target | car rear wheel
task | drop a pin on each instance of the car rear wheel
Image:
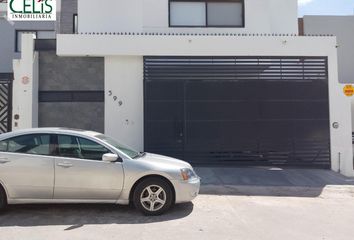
(3, 201)
(153, 196)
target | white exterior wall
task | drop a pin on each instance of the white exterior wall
(261, 16)
(124, 99)
(124, 74)
(25, 95)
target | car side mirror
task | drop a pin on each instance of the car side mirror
(110, 157)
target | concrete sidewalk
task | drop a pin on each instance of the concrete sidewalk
(270, 181)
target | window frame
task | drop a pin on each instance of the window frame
(206, 14)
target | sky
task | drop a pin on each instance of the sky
(326, 7)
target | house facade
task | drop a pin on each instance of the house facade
(212, 82)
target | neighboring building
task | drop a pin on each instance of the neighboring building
(10, 48)
(10, 37)
(181, 80)
(343, 28)
(58, 78)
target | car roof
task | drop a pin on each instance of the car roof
(57, 130)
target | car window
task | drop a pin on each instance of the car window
(68, 146)
(77, 147)
(127, 150)
(3, 146)
(91, 150)
(31, 144)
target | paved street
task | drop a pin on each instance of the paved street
(232, 205)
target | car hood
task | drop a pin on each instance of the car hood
(160, 160)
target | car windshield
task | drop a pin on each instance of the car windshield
(126, 150)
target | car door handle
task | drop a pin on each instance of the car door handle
(65, 165)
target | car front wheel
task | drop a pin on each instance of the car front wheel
(153, 196)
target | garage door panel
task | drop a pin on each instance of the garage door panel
(269, 145)
(312, 130)
(310, 152)
(221, 111)
(276, 110)
(164, 110)
(311, 110)
(221, 90)
(238, 110)
(164, 90)
(164, 137)
(275, 131)
(221, 135)
(211, 146)
(275, 90)
(310, 90)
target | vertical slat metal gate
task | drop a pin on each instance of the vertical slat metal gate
(238, 110)
(5, 102)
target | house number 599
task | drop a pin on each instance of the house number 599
(115, 98)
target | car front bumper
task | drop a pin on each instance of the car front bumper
(186, 191)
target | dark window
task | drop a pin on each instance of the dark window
(75, 23)
(76, 147)
(3, 146)
(46, 34)
(38, 144)
(68, 146)
(206, 13)
(91, 150)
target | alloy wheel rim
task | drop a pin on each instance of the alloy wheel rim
(153, 198)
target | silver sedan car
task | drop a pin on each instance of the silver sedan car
(58, 165)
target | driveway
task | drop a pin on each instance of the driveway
(235, 203)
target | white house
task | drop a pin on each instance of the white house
(217, 82)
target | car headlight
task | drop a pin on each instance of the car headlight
(188, 174)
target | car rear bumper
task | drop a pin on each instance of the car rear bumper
(186, 191)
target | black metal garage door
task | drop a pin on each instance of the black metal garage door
(238, 110)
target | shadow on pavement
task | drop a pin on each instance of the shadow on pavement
(271, 181)
(78, 215)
